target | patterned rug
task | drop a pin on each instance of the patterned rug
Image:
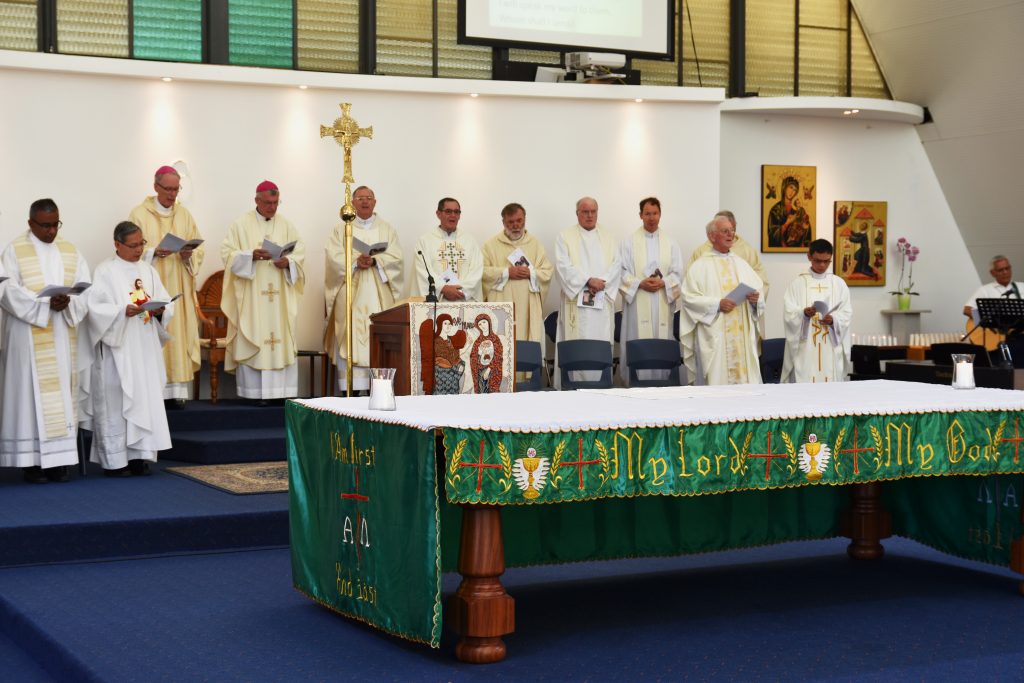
(239, 478)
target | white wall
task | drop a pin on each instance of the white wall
(89, 133)
(857, 160)
(93, 141)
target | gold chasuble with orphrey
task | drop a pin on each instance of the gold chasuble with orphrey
(54, 419)
(262, 311)
(181, 354)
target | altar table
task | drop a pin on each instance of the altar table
(566, 476)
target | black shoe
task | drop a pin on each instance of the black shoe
(138, 468)
(120, 472)
(34, 475)
(174, 403)
(57, 474)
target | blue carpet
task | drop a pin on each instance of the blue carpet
(96, 517)
(231, 431)
(17, 665)
(799, 611)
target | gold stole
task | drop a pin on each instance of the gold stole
(574, 245)
(736, 325)
(645, 328)
(47, 371)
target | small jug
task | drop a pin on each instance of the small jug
(963, 370)
(382, 388)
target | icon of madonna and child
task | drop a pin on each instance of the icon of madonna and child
(445, 339)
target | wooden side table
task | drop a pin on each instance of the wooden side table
(325, 365)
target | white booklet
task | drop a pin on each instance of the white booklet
(174, 244)
(518, 258)
(449, 277)
(155, 305)
(276, 250)
(590, 299)
(738, 295)
(368, 249)
(56, 290)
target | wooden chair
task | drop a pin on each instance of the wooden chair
(213, 329)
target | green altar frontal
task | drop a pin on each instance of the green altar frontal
(371, 531)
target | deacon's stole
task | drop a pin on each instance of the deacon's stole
(55, 421)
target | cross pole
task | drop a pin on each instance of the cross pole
(347, 133)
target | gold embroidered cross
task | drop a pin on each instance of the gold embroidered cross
(270, 292)
(820, 287)
(272, 341)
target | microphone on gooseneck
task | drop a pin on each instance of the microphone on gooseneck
(431, 290)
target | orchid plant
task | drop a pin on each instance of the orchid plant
(908, 254)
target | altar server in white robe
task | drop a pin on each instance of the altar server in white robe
(38, 362)
(652, 276)
(376, 285)
(453, 257)
(719, 336)
(817, 341)
(590, 270)
(261, 300)
(123, 382)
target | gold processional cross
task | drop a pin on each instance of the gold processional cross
(347, 133)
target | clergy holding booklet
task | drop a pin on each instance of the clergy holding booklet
(261, 299)
(817, 315)
(173, 246)
(38, 369)
(718, 335)
(448, 251)
(516, 269)
(376, 273)
(122, 366)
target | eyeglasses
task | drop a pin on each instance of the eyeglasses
(137, 245)
(172, 190)
(451, 212)
(48, 226)
(363, 199)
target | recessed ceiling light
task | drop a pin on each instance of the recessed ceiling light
(639, 99)
(166, 79)
(474, 94)
(855, 111)
(303, 87)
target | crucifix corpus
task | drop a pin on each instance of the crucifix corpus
(347, 133)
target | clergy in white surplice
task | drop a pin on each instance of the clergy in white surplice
(376, 284)
(817, 315)
(263, 281)
(38, 369)
(159, 216)
(453, 258)
(588, 265)
(122, 374)
(745, 250)
(652, 275)
(722, 313)
(516, 269)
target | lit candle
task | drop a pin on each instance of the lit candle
(963, 375)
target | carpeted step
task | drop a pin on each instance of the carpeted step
(219, 446)
(226, 414)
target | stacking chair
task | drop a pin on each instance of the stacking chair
(653, 354)
(585, 354)
(529, 359)
(772, 351)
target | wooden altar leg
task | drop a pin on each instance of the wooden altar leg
(866, 522)
(481, 611)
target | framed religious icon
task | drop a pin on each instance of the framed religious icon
(860, 231)
(788, 208)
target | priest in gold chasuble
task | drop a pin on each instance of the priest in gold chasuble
(817, 315)
(523, 280)
(261, 299)
(376, 285)
(38, 364)
(719, 335)
(157, 216)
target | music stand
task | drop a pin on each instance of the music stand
(1004, 315)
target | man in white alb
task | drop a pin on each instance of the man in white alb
(817, 316)
(453, 257)
(38, 369)
(262, 287)
(652, 274)
(589, 268)
(719, 334)
(376, 285)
